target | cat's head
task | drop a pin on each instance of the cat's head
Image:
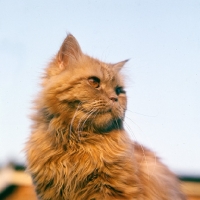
(84, 92)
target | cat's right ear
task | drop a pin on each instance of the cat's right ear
(117, 67)
(69, 51)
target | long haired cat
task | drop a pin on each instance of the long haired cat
(78, 149)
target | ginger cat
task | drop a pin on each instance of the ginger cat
(78, 148)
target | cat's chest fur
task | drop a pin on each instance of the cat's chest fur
(85, 167)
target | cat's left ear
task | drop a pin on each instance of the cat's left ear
(118, 66)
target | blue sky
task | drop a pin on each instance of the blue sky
(162, 40)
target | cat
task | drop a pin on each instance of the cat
(78, 148)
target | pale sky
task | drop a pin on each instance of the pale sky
(162, 41)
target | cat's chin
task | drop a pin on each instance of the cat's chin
(106, 123)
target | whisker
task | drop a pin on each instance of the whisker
(70, 128)
(133, 123)
(95, 116)
(79, 122)
(117, 126)
(131, 131)
(89, 114)
(142, 148)
(141, 114)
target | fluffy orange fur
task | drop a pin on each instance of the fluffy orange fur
(78, 148)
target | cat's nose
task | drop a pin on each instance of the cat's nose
(114, 99)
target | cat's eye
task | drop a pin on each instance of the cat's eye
(119, 90)
(94, 81)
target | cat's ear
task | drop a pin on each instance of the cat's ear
(117, 67)
(70, 50)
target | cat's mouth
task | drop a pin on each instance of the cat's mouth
(103, 117)
(99, 110)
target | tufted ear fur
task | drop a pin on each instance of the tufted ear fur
(69, 51)
(118, 66)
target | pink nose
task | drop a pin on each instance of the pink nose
(114, 99)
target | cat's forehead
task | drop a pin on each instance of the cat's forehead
(104, 71)
(107, 71)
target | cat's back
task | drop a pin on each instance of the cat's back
(157, 181)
